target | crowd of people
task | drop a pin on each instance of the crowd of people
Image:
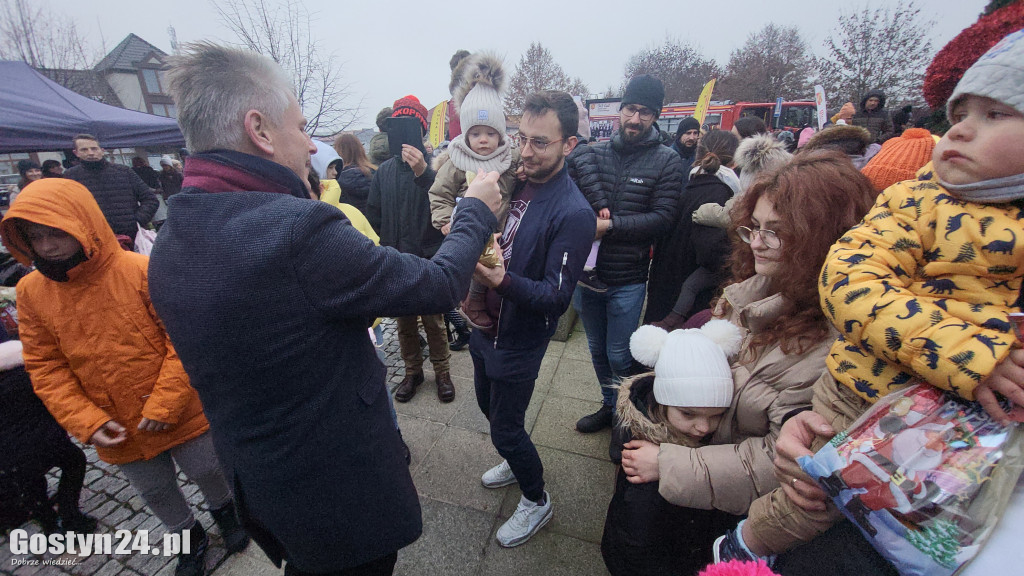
(745, 298)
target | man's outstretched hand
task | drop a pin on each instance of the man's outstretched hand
(485, 187)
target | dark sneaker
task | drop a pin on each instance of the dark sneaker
(460, 341)
(193, 563)
(406, 453)
(78, 522)
(728, 547)
(235, 537)
(597, 421)
(590, 281)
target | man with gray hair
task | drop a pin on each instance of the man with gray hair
(255, 281)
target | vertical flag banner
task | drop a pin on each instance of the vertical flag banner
(819, 99)
(704, 101)
(437, 123)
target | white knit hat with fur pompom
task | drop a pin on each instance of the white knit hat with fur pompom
(691, 367)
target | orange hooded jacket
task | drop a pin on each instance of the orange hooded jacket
(93, 345)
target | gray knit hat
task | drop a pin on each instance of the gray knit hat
(998, 74)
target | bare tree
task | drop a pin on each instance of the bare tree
(681, 68)
(772, 63)
(44, 39)
(282, 32)
(537, 70)
(885, 48)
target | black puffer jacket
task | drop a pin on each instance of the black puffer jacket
(398, 208)
(643, 183)
(355, 187)
(877, 121)
(123, 197)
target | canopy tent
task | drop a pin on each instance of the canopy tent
(38, 114)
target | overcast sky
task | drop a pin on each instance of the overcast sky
(390, 49)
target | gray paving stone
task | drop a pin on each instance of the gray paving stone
(576, 347)
(249, 562)
(420, 435)
(547, 368)
(426, 405)
(556, 427)
(576, 379)
(470, 417)
(452, 544)
(548, 553)
(581, 488)
(117, 516)
(451, 472)
(451, 449)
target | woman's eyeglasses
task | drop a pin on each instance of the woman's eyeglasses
(768, 237)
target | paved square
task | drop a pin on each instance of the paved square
(451, 448)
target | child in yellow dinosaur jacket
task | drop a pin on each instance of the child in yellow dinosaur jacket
(921, 289)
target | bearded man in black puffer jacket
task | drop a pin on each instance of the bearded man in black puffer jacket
(640, 181)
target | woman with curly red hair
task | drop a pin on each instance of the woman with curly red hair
(784, 226)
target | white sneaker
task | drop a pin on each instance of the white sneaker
(500, 475)
(528, 518)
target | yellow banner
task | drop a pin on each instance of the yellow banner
(438, 124)
(704, 101)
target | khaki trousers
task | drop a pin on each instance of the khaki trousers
(409, 343)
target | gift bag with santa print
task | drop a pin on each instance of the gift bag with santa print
(924, 475)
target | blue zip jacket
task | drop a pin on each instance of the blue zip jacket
(548, 254)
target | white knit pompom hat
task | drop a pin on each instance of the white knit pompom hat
(691, 367)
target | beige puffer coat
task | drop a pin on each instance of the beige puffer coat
(737, 468)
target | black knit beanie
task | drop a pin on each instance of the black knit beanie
(688, 123)
(645, 90)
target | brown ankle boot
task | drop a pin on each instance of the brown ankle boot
(407, 387)
(474, 309)
(445, 387)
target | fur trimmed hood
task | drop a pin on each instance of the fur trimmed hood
(634, 406)
(759, 154)
(851, 140)
(873, 94)
(439, 160)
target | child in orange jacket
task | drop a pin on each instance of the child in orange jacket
(103, 365)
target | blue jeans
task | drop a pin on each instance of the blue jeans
(378, 334)
(610, 318)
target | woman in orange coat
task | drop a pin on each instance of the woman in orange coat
(100, 360)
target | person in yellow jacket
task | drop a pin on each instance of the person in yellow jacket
(921, 290)
(103, 365)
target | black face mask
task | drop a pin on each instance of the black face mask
(57, 270)
(94, 164)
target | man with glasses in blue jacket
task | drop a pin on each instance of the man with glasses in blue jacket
(544, 245)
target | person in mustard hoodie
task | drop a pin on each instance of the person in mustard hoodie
(102, 363)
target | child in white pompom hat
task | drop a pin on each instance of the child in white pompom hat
(680, 402)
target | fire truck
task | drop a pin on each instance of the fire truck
(604, 115)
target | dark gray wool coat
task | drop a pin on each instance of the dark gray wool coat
(267, 297)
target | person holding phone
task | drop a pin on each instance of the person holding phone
(398, 208)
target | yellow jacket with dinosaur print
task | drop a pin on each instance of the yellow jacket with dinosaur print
(922, 287)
